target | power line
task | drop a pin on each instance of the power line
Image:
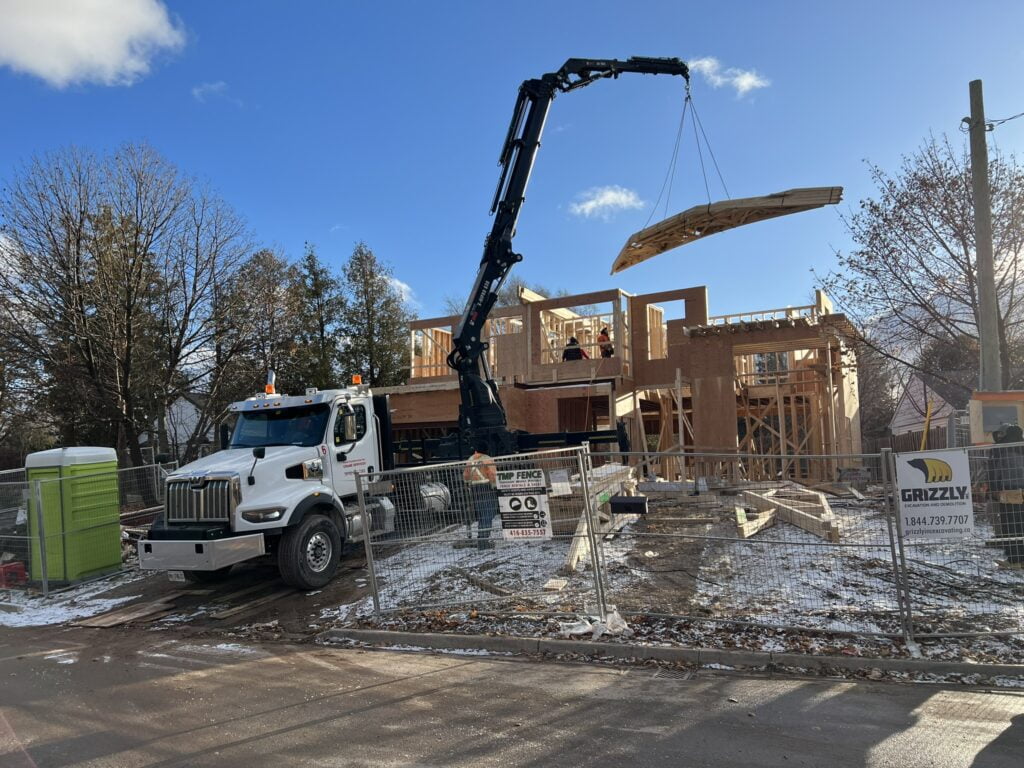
(966, 124)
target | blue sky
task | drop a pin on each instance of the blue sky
(333, 122)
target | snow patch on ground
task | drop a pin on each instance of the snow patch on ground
(804, 581)
(31, 610)
(449, 651)
(63, 657)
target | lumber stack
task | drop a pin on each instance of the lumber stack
(603, 483)
(747, 523)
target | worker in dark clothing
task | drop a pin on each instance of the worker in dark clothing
(1006, 480)
(605, 343)
(573, 351)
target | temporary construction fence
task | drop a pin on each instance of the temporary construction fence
(807, 542)
(448, 547)
(61, 531)
(972, 583)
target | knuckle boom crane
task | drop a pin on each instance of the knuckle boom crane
(481, 413)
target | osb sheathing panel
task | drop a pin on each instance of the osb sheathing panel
(440, 406)
(714, 413)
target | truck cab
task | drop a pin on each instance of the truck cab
(284, 485)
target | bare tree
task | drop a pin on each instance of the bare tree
(197, 272)
(911, 281)
(115, 264)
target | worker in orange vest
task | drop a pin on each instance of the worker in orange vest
(481, 476)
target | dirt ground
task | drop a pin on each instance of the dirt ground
(260, 605)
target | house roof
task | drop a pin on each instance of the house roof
(198, 399)
(913, 403)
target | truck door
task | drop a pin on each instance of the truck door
(349, 456)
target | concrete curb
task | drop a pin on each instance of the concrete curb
(697, 656)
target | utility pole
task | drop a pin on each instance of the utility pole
(991, 376)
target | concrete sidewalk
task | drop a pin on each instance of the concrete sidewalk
(94, 698)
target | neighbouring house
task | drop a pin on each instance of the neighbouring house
(912, 407)
(183, 416)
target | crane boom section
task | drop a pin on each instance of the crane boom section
(481, 414)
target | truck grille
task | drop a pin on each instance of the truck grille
(202, 499)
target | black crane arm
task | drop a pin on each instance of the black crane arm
(481, 414)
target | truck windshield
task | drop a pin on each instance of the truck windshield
(281, 426)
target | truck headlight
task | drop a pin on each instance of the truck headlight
(313, 469)
(263, 515)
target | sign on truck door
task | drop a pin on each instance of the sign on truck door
(359, 456)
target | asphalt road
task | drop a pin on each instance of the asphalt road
(130, 698)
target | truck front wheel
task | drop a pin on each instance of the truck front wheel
(309, 552)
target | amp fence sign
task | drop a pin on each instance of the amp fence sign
(520, 479)
(523, 503)
(934, 492)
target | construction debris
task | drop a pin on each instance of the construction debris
(801, 507)
(481, 583)
(138, 612)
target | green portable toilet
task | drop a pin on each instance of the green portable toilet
(81, 513)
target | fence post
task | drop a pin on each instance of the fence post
(364, 516)
(899, 556)
(41, 530)
(595, 557)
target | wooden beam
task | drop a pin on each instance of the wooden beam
(822, 524)
(703, 220)
(745, 527)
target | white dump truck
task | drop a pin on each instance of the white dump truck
(284, 486)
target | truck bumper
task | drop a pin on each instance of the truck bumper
(161, 555)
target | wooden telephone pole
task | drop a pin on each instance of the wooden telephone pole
(991, 376)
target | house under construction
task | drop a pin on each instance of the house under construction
(778, 382)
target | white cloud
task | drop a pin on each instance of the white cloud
(110, 42)
(604, 201)
(205, 92)
(742, 80)
(406, 292)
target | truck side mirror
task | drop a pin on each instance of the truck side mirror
(348, 425)
(259, 452)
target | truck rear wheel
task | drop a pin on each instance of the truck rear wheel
(308, 555)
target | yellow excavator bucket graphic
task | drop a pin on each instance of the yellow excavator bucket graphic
(934, 470)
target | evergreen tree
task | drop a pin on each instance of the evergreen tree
(374, 324)
(319, 309)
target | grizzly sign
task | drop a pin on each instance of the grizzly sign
(935, 494)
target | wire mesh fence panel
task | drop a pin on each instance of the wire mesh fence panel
(17, 475)
(965, 578)
(509, 533)
(783, 541)
(15, 543)
(142, 492)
